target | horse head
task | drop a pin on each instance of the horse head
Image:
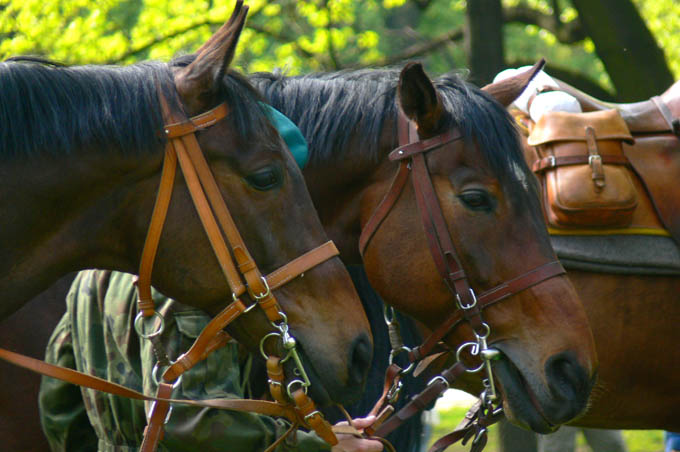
(477, 233)
(96, 201)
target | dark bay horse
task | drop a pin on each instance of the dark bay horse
(488, 197)
(82, 150)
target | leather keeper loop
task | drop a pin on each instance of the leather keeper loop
(271, 308)
(146, 307)
(311, 416)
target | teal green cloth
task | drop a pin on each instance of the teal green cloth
(291, 135)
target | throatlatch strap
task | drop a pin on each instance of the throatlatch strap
(145, 304)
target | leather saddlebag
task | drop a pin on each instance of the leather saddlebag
(584, 173)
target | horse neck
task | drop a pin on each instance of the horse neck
(71, 212)
(337, 188)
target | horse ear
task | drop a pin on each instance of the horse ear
(419, 99)
(509, 89)
(200, 80)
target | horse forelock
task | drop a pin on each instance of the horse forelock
(47, 108)
(334, 110)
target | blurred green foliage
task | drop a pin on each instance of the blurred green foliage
(636, 440)
(300, 36)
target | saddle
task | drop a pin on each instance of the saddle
(612, 169)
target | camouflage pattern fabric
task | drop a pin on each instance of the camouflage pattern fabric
(97, 336)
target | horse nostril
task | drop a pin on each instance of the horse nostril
(569, 384)
(360, 360)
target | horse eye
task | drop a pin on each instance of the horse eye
(265, 178)
(477, 200)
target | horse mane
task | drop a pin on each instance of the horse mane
(46, 107)
(329, 108)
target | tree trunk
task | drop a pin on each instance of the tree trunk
(627, 48)
(484, 40)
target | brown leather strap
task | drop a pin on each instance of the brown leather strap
(208, 220)
(196, 123)
(200, 348)
(488, 298)
(385, 206)
(99, 384)
(441, 246)
(245, 262)
(313, 417)
(153, 432)
(422, 400)
(197, 352)
(392, 377)
(145, 304)
(301, 264)
(276, 379)
(549, 162)
(418, 147)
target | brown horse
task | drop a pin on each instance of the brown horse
(634, 315)
(82, 150)
(350, 121)
(488, 199)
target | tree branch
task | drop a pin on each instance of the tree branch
(416, 49)
(280, 37)
(158, 39)
(565, 32)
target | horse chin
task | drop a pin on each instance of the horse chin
(324, 393)
(520, 403)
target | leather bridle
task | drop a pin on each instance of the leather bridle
(411, 157)
(239, 268)
(243, 278)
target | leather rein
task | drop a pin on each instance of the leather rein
(243, 278)
(411, 157)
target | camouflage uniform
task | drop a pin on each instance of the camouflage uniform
(97, 336)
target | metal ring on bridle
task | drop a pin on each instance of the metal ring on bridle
(263, 340)
(395, 352)
(459, 351)
(439, 378)
(157, 380)
(486, 334)
(139, 325)
(282, 324)
(262, 295)
(467, 306)
(300, 382)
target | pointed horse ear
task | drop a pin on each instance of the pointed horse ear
(418, 98)
(509, 89)
(199, 82)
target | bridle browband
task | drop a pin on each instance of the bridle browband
(411, 157)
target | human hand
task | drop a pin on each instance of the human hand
(350, 443)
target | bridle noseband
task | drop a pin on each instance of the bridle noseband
(411, 157)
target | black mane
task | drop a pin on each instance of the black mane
(330, 107)
(46, 107)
